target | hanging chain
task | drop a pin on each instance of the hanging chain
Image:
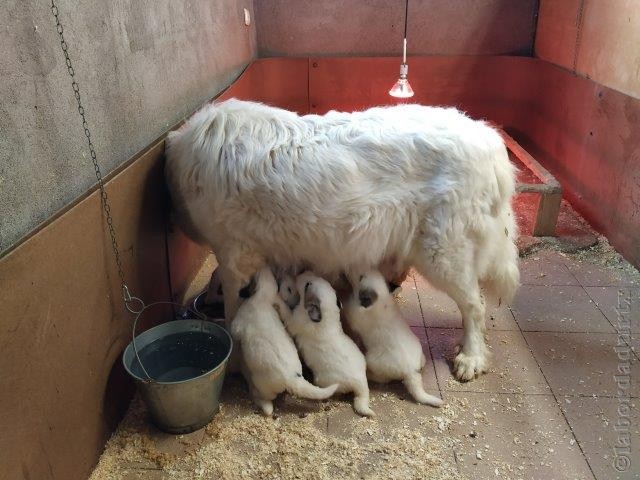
(579, 21)
(130, 301)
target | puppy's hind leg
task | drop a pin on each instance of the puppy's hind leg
(264, 404)
(361, 402)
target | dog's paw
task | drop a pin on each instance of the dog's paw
(467, 367)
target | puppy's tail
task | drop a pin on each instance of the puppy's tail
(301, 388)
(413, 382)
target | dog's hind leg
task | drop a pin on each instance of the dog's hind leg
(451, 270)
(237, 267)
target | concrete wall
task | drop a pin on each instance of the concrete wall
(375, 27)
(142, 66)
(598, 39)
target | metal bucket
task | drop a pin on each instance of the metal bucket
(214, 312)
(182, 371)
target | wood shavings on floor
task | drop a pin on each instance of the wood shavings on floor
(602, 254)
(400, 443)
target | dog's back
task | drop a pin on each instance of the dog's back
(317, 189)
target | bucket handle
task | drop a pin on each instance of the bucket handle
(139, 312)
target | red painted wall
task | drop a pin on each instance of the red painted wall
(596, 39)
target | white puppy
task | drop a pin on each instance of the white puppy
(393, 351)
(329, 353)
(270, 362)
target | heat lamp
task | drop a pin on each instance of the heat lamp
(402, 88)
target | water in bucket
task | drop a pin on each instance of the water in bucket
(180, 356)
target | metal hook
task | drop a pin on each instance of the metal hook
(131, 302)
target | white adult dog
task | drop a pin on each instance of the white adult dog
(270, 361)
(330, 354)
(393, 352)
(408, 185)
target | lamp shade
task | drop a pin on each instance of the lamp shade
(401, 89)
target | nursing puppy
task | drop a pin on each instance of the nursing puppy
(328, 352)
(393, 351)
(269, 360)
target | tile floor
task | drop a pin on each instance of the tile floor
(553, 372)
(549, 408)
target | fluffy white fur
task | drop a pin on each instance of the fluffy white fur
(330, 354)
(404, 185)
(393, 351)
(270, 361)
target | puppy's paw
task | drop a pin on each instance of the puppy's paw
(266, 406)
(361, 406)
(467, 367)
(365, 412)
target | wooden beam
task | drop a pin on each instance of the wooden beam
(540, 188)
(547, 216)
(530, 162)
(549, 190)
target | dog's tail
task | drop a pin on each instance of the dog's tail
(502, 277)
(413, 382)
(301, 388)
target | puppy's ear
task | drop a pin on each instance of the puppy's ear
(367, 297)
(312, 304)
(248, 290)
